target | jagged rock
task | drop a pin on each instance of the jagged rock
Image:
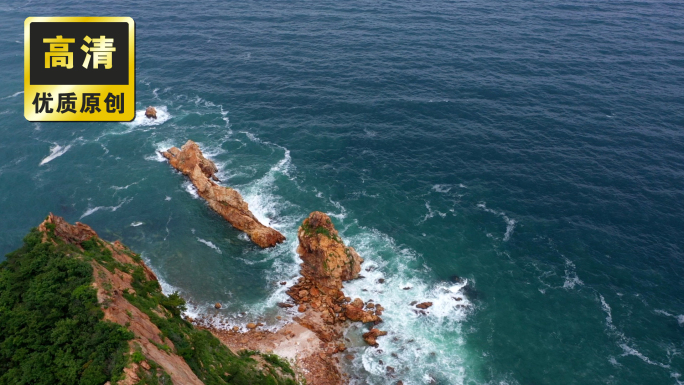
(301, 308)
(284, 305)
(151, 112)
(372, 335)
(355, 313)
(327, 261)
(424, 305)
(74, 234)
(118, 309)
(224, 200)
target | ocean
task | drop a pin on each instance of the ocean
(526, 157)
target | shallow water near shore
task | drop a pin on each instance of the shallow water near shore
(533, 150)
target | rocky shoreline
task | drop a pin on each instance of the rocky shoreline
(161, 346)
(315, 336)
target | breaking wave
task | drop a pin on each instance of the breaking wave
(93, 210)
(55, 152)
(210, 244)
(510, 223)
(141, 120)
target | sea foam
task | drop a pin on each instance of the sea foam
(55, 152)
(141, 120)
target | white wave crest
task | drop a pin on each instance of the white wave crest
(396, 282)
(118, 188)
(160, 147)
(210, 244)
(622, 340)
(142, 121)
(14, 95)
(191, 189)
(571, 278)
(510, 223)
(679, 318)
(55, 152)
(263, 204)
(93, 210)
(441, 188)
(431, 213)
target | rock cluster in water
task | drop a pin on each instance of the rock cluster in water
(327, 263)
(224, 200)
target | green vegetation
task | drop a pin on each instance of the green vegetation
(211, 361)
(51, 328)
(310, 230)
(154, 376)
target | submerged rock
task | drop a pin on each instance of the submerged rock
(224, 200)
(372, 335)
(424, 305)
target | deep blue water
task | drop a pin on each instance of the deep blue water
(535, 149)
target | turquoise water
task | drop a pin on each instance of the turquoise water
(534, 149)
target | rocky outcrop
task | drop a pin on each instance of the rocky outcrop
(372, 335)
(72, 234)
(129, 295)
(151, 112)
(424, 305)
(224, 200)
(110, 286)
(327, 263)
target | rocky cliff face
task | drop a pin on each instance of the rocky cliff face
(164, 346)
(110, 286)
(224, 200)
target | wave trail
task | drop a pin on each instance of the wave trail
(55, 152)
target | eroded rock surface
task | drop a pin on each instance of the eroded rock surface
(224, 200)
(327, 263)
(111, 286)
(372, 335)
